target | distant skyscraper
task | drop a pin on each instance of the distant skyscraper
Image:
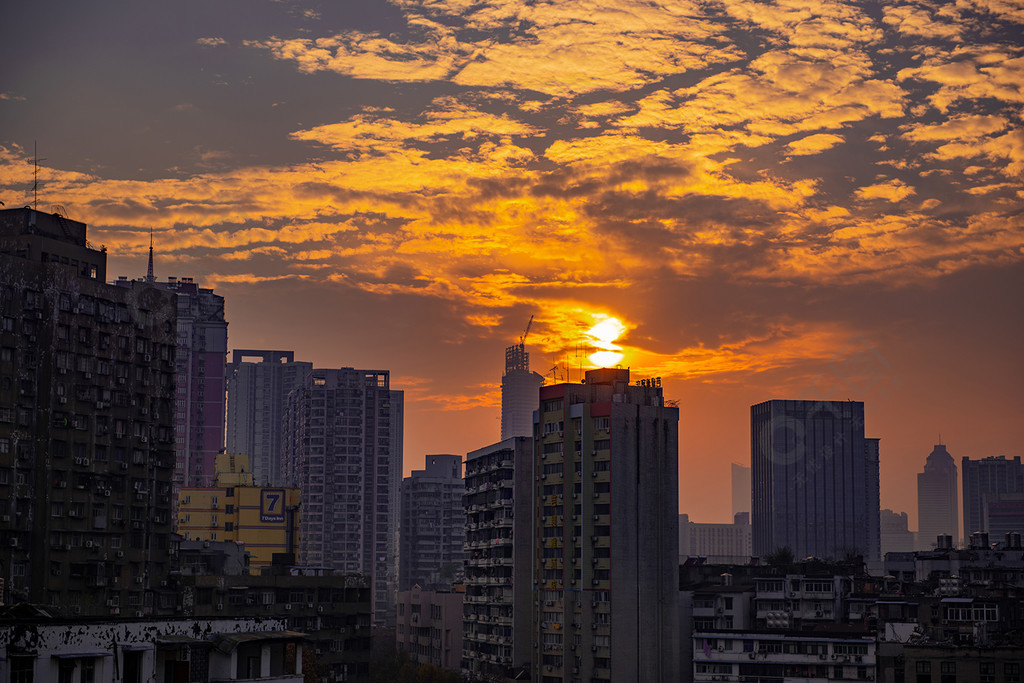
(985, 481)
(937, 499)
(740, 489)
(199, 379)
(86, 426)
(343, 450)
(896, 534)
(606, 520)
(499, 559)
(432, 531)
(257, 395)
(518, 393)
(719, 543)
(814, 480)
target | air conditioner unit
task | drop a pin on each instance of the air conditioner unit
(594, 473)
(593, 648)
(14, 543)
(76, 609)
(288, 606)
(110, 603)
(62, 400)
(116, 611)
(106, 493)
(88, 544)
(320, 609)
(120, 553)
(220, 605)
(138, 580)
(721, 648)
(138, 613)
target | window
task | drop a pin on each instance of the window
(21, 669)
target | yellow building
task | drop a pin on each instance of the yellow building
(265, 519)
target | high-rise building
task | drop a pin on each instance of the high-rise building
(518, 393)
(986, 481)
(200, 363)
(86, 425)
(605, 525)
(264, 519)
(814, 480)
(740, 489)
(343, 450)
(937, 504)
(257, 394)
(499, 590)
(432, 531)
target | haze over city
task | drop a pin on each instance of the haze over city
(773, 200)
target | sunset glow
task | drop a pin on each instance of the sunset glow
(750, 200)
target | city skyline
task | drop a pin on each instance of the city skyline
(777, 203)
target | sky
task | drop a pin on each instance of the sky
(775, 199)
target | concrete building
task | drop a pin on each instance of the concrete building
(36, 647)
(499, 594)
(333, 611)
(257, 396)
(740, 489)
(265, 519)
(896, 536)
(937, 499)
(200, 360)
(718, 543)
(518, 393)
(86, 424)
(605, 532)
(814, 480)
(432, 531)
(985, 481)
(343, 450)
(429, 627)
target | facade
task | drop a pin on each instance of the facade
(265, 519)
(257, 395)
(896, 536)
(332, 610)
(429, 627)
(433, 525)
(937, 499)
(343, 450)
(986, 481)
(605, 511)
(86, 425)
(518, 393)
(740, 489)
(34, 647)
(719, 543)
(200, 360)
(499, 596)
(814, 480)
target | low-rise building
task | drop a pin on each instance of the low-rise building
(265, 519)
(37, 647)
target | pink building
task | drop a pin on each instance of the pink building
(430, 627)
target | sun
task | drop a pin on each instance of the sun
(603, 335)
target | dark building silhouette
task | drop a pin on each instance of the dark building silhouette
(814, 480)
(937, 500)
(86, 425)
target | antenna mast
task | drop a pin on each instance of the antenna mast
(35, 175)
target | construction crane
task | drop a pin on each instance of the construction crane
(522, 338)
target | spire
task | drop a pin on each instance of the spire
(149, 273)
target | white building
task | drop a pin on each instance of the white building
(257, 396)
(166, 651)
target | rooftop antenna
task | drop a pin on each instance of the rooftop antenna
(35, 175)
(149, 272)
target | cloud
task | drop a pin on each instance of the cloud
(812, 144)
(211, 42)
(890, 191)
